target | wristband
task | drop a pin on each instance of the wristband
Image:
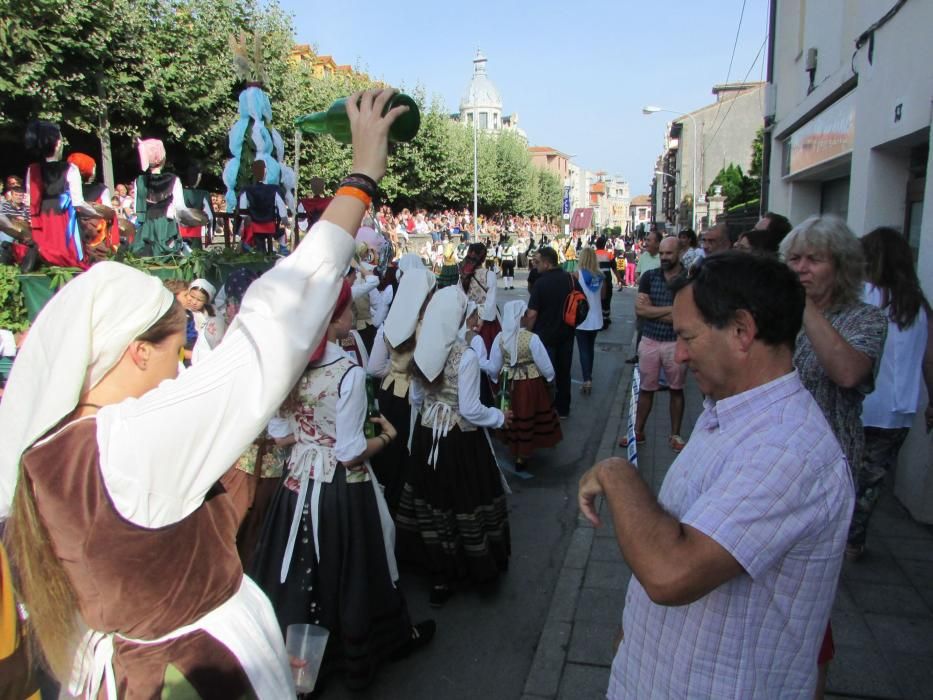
(366, 178)
(356, 193)
(387, 438)
(361, 182)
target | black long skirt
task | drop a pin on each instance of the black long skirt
(350, 591)
(390, 465)
(453, 519)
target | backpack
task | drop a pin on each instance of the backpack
(576, 307)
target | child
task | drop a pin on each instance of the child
(205, 329)
(452, 517)
(339, 571)
(534, 422)
(389, 362)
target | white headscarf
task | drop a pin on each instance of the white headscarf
(511, 327)
(409, 262)
(204, 286)
(79, 336)
(439, 329)
(402, 318)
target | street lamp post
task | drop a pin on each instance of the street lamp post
(651, 109)
(475, 175)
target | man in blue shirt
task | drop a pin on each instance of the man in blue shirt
(654, 305)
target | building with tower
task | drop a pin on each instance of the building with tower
(483, 102)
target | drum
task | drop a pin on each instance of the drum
(16, 227)
(101, 211)
(191, 217)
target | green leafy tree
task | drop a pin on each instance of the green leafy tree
(551, 194)
(736, 186)
(754, 170)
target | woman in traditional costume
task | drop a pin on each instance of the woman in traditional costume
(106, 230)
(535, 424)
(159, 195)
(196, 200)
(480, 286)
(452, 517)
(390, 362)
(55, 197)
(114, 465)
(326, 553)
(450, 272)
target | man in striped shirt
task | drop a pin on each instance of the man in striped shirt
(736, 562)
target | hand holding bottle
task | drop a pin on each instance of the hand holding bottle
(371, 130)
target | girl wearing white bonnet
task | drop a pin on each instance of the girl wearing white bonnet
(389, 362)
(109, 465)
(452, 517)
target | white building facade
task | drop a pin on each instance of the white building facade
(483, 100)
(719, 134)
(849, 114)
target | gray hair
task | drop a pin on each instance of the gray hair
(830, 234)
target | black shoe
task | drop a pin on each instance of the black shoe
(633, 360)
(439, 596)
(421, 635)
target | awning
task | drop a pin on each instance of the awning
(581, 219)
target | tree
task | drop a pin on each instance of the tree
(754, 170)
(736, 186)
(157, 68)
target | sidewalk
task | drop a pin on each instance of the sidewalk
(882, 618)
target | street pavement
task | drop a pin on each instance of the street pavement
(547, 629)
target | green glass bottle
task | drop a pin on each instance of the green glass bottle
(334, 120)
(370, 429)
(505, 401)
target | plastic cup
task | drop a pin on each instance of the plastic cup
(305, 646)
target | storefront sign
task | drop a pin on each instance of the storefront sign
(830, 134)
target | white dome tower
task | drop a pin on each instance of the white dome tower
(481, 98)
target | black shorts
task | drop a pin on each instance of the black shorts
(508, 268)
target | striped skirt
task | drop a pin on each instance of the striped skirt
(453, 519)
(535, 424)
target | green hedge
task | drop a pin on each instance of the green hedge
(23, 296)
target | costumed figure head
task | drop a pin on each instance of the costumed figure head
(110, 334)
(85, 165)
(192, 176)
(151, 154)
(259, 170)
(43, 140)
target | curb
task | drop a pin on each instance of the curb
(547, 666)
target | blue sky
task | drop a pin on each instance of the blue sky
(577, 73)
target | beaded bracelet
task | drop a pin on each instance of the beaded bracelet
(366, 178)
(362, 182)
(356, 193)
